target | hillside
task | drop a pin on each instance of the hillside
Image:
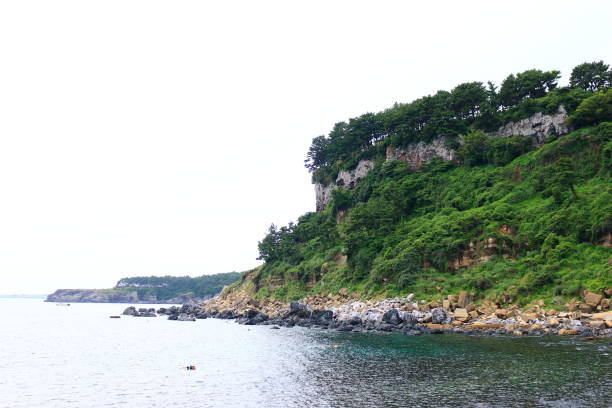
(151, 289)
(503, 193)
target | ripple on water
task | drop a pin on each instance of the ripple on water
(82, 358)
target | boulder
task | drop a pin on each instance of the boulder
(409, 319)
(184, 317)
(461, 313)
(322, 317)
(130, 311)
(392, 317)
(257, 319)
(592, 299)
(553, 322)
(440, 316)
(464, 299)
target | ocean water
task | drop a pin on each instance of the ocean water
(52, 356)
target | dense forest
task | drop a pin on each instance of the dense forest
(168, 287)
(505, 220)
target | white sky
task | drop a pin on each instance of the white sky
(163, 137)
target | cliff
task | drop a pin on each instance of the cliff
(538, 126)
(111, 296)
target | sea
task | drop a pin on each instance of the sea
(76, 356)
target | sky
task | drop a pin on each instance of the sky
(164, 137)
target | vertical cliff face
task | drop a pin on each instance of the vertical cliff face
(417, 154)
(538, 126)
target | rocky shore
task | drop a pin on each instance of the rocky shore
(455, 314)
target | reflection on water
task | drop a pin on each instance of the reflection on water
(77, 356)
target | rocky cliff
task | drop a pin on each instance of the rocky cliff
(538, 126)
(110, 296)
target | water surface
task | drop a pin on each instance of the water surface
(76, 356)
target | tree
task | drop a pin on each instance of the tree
(467, 98)
(473, 150)
(594, 109)
(532, 83)
(565, 174)
(591, 76)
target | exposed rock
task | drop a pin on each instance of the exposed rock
(592, 299)
(323, 195)
(130, 311)
(464, 299)
(440, 316)
(350, 178)
(322, 317)
(392, 317)
(184, 317)
(417, 154)
(539, 126)
(461, 313)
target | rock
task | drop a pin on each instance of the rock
(257, 319)
(603, 315)
(598, 324)
(553, 322)
(592, 299)
(392, 317)
(483, 325)
(608, 323)
(184, 317)
(517, 332)
(539, 126)
(464, 299)
(226, 314)
(527, 317)
(130, 311)
(446, 304)
(409, 319)
(440, 316)
(461, 313)
(567, 332)
(473, 314)
(322, 317)
(275, 327)
(585, 308)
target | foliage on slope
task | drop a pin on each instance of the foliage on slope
(505, 224)
(168, 287)
(450, 114)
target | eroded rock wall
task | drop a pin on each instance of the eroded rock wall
(538, 126)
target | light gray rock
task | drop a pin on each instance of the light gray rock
(441, 316)
(184, 317)
(539, 126)
(418, 154)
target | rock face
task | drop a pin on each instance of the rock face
(417, 154)
(112, 296)
(93, 296)
(346, 178)
(538, 126)
(323, 195)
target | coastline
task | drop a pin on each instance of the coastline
(399, 315)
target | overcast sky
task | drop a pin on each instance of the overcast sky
(163, 137)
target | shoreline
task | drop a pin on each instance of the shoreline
(457, 315)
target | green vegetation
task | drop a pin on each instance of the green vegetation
(505, 221)
(168, 287)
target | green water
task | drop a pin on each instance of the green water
(74, 357)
